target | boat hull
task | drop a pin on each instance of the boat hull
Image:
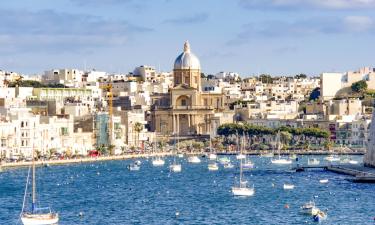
(176, 168)
(158, 163)
(281, 161)
(40, 219)
(242, 191)
(194, 159)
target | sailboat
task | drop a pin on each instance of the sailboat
(240, 155)
(212, 155)
(242, 189)
(36, 216)
(247, 165)
(279, 160)
(157, 161)
(175, 167)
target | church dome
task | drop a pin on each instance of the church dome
(187, 60)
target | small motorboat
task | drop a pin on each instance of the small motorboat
(158, 162)
(288, 186)
(240, 156)
(332, 158)
(313, 162)
(133, 167)
(224, 160)
(228, 166)
(213, 167)
(175, 168)
(323, 181)
(353, 162)
(293, 156)
(194, 159)
(180, 155)
(309, 208)
(281, 161)
(137, 162)
(319, 216)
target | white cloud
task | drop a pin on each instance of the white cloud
(359, 23)
(301, 4)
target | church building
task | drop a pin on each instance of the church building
(186, 109)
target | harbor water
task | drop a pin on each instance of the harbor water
(108, 193)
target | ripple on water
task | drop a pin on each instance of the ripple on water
(107, 193)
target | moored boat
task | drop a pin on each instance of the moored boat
(309, 208)
(313, 162)
(319, 216)
(133, 167)
(194, 159)
(175, 168)
(213, 167)
(288, 186)
(35, 215)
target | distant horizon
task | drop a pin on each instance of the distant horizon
(249, 37)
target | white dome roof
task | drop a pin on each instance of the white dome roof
(187, 60)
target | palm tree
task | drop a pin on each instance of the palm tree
(138, 127)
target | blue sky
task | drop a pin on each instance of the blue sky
(280, 37)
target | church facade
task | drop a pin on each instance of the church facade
(186, 109)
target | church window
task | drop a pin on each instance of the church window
(183, 102)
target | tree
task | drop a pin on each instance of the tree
(315, 94)
(265, 79)
(111, 149)
(359, 86)
(300, 76)
(138, 127)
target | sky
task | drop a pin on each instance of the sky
(278, 37)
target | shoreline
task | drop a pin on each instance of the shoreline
(147, 155)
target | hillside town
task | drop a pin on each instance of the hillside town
(73, 112)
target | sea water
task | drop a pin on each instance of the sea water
(107, 193)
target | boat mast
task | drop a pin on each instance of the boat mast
(34, 186)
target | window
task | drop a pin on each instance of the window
(183, 102)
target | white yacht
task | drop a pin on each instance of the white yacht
(175, 166)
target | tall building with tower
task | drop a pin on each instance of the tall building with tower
(186, 109)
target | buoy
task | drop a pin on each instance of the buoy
(177, 213)
(286, 206)
(273, 185)
(80, 214)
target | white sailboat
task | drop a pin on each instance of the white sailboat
(279, 160)
(242, 189)
(176, 167)
(212, 155)
(247, 165)
(157, 161)
(36, 216)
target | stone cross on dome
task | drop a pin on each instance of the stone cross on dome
(186, 46)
